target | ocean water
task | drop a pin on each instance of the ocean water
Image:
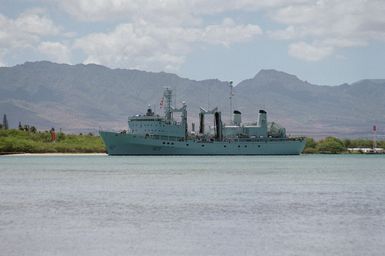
(217, 205)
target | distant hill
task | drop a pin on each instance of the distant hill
(89, 97)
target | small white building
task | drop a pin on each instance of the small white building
(367, 150)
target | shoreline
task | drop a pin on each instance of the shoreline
(54, 154)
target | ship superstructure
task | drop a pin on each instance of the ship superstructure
(151, 134)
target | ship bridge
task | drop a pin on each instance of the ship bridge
(151, 124)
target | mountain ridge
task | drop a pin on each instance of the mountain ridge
(89, 97)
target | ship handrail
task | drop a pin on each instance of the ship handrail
(164, 137)
(229, 140)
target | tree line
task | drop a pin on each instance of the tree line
(333, 145)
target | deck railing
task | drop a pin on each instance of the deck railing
(211, 140)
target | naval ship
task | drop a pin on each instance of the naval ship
(151, 134)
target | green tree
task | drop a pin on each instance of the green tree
(331, 145)
(361, 143)
(310, 143)
(61, 136)
(310, 146)
(33, 129)
(347, 143)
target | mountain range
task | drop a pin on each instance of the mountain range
(82, 98)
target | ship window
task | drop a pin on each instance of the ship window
(224, 146)
(187, 145)
(203, 145)
(164, 142)
(168, 143)
(259, 146)
(172, 143)
(245, 146)
(239, 146)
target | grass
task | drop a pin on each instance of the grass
(17, 141)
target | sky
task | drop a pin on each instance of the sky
(326, 42)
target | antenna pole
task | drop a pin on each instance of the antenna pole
(175, 97)
(208, 97)
(231, 99)
(374, 137)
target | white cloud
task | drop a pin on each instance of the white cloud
(141, 46)
(35, 22)
(228, 32)
(159, 34)
(309, 52)
(283, 34)
(55, 51)
(96, 10)
(2, 64)
(153, 35)
(24, 32)
(144, 45)
(209, 7)
(333, 24)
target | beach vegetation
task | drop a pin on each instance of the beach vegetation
(32, 141)
(333, 145)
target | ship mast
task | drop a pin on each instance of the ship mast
(231, 100)
(168, 110)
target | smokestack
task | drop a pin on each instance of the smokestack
(262, 118)
(237, 119)
(218, 125)
(201, 123)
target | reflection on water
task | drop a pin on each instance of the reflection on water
(238, 205)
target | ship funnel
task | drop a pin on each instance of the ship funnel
(262, 118)
(237, 119)
(218, 125)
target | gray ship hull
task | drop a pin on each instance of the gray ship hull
(130, 144)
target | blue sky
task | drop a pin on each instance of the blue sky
(322, 41)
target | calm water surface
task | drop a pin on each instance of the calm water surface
(232, 205)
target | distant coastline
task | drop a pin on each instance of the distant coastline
(53, 154)
(16, 142)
